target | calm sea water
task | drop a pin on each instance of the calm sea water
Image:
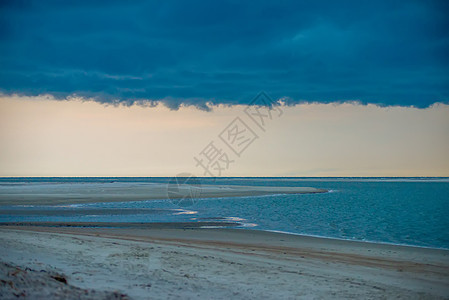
(411, 211)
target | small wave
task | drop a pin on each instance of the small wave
(185, 212)
(247, 225)
(352, 240)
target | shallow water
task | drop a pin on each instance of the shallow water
(411, 211)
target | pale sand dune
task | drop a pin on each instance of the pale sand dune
(223, 263)
(55, 194)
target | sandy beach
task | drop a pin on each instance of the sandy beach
(178, 261)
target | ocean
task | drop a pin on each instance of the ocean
(406, 211)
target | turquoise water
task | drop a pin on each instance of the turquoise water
(411, 211)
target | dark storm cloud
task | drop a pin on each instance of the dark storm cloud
(199, 52)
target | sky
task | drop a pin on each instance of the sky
(140, 88)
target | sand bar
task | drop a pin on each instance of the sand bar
(76, 193)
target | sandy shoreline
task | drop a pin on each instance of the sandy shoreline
(226, 263)
(59, 194)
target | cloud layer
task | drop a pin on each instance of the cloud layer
(224, 52)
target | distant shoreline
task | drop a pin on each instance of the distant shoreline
(128, 192)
